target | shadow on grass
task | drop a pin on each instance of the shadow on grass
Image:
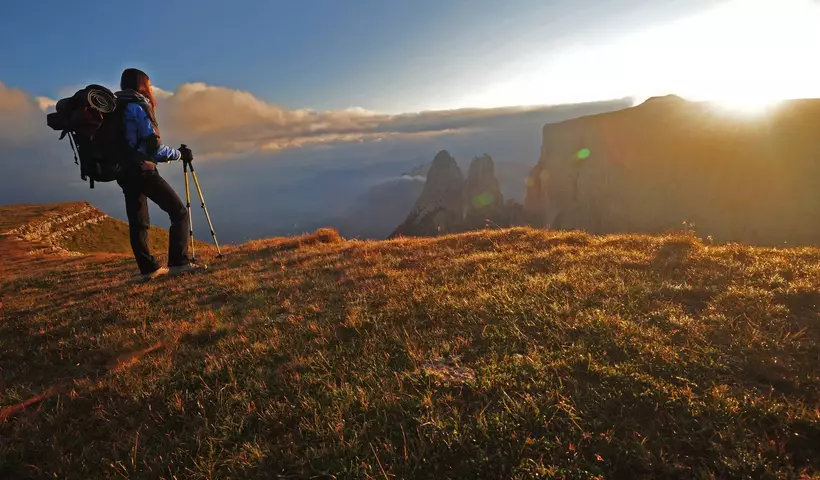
(111, 364)
(98, 365)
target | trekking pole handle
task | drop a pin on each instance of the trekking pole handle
(184, 147)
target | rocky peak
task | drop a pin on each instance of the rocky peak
(439, 209)
(483, 196)
(443, 171)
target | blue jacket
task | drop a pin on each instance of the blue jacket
(141, 131)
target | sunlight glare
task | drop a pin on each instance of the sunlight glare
(745, 55)
(747, 106)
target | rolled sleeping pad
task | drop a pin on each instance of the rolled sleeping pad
(70, 110)
(100, 98)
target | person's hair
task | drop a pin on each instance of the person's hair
(137, 80)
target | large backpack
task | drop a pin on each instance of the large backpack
(92, 119)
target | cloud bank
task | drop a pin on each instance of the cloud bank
(19, 115)
(223, 123)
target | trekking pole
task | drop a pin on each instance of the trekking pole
(188, 206)
(204, 208)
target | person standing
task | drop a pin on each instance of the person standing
(140, 180)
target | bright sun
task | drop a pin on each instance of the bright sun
(749, 55)
(747, 106)
(744, 55)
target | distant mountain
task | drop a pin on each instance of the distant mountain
(452, 202)
(376, 212)
(512, 176)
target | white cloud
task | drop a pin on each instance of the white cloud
(19, 115)
(223, 122)
(45, 103)
(160, 93)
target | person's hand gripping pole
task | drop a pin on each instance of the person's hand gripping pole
(187, 163)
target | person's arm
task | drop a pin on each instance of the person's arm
(154, 147)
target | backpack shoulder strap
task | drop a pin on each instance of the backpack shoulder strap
(142, 102)
(146, 107)
(123, 102)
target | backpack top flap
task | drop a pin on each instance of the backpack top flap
(82, 112)
(94, 124)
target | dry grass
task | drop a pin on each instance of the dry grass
(111, 236)
(497, 354)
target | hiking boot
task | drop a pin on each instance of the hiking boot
(188, 267)
(156, 273)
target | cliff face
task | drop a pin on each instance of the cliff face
(668, 161)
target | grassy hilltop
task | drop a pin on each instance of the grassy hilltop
(495, 354)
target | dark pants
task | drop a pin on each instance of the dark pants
(138, 187)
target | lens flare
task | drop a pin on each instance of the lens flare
(483, 200)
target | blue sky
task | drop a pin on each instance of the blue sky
(382, 55)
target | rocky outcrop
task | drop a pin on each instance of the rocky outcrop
(58, 224)
(45, 232)
(750, 179)
(483, 200)
(439, 209)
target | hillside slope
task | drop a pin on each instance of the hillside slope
(495, 354)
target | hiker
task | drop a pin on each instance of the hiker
(140, 179)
